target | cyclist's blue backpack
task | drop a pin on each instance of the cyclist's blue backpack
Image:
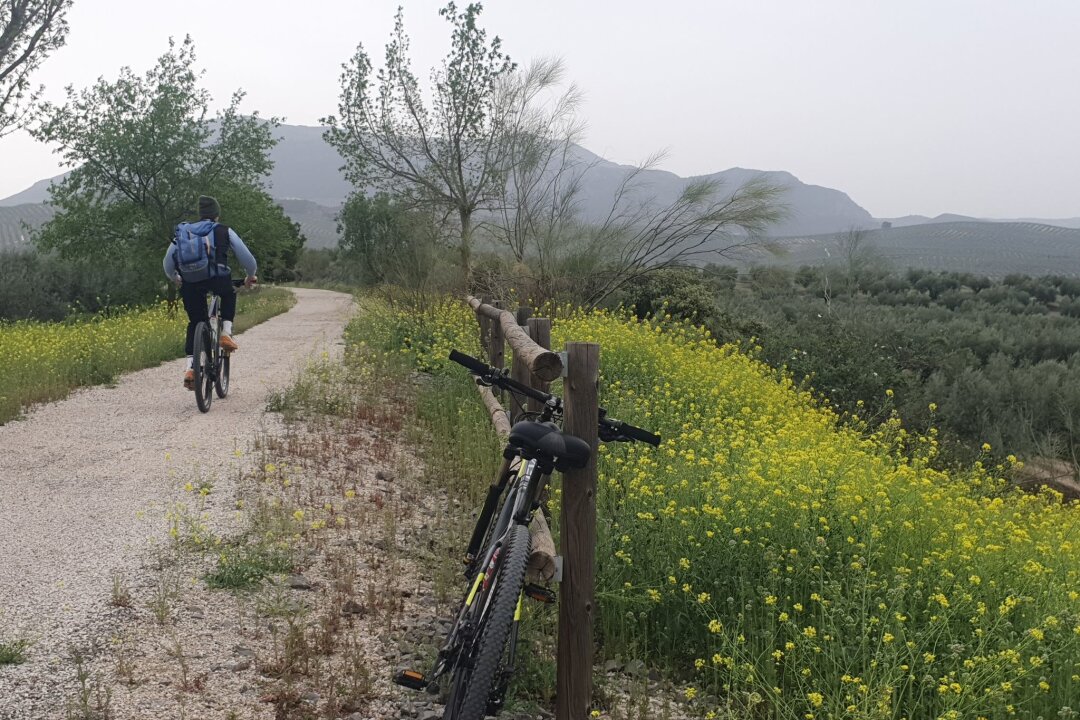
(194, 249)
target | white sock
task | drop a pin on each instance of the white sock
(190, 362)
(227, 327)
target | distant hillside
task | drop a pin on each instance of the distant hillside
(318, 222)
(811, 208)
(985, 248)
(13, 234)
(306, 168)
(307, 181)
(908, 220)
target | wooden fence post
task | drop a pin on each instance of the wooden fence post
(485, 327)
(578, 538)
(540, 332)
(497, 348)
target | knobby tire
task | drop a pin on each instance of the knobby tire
(203, 366)
(221, 383)
(471, 687)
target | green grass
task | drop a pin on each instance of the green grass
(241, 567)
(14, 652)
(42, 362)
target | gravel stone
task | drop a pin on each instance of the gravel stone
(85, 484)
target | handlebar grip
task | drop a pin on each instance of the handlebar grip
(475, 366)
(638, 434)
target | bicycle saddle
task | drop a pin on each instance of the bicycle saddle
(534, 438)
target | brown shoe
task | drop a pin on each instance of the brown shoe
(228, 344)
(189, 379)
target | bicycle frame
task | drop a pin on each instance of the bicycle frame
(523, 485)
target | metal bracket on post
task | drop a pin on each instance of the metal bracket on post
(558, 569)
(565, 363)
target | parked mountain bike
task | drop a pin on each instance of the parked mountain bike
(480, 649)
(211, 361)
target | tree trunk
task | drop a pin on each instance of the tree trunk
(466, 249)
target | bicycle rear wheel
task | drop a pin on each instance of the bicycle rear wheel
(221, 383)
(476, 672)
(204, 368)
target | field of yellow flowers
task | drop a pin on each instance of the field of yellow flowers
(44, 361)
(795, 566)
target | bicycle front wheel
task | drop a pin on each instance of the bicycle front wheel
(476, 672)
(204, 368)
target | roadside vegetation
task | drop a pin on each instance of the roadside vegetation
(984, 361)
(45, 361)
(784, 561)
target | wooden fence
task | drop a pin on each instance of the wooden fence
(534, 364)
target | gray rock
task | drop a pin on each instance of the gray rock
(299, 582)
(636, 668)
(351, 607)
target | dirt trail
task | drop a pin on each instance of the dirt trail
(84, 483)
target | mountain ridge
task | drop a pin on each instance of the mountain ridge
(307, 177)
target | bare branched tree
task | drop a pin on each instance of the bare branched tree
(29, 31)
(858, 256)
(704, 221)
(540, 219)
(542, 172)
(445, 151)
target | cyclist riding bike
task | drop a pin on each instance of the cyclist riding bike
(197, 279)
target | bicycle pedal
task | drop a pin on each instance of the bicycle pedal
(540, 594)
(411, 679)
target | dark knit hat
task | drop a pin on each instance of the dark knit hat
(208, 207)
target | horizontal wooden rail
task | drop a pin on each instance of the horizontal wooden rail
(542, 363)
(498, 416)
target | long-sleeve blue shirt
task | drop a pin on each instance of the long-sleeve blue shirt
(247, 260)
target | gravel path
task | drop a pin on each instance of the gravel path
(84, 483)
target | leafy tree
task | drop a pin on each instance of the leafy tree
(29, 31)
(389, 242)
(771, 280)
(723, 277)
(446, 152)
(142, 151)
(273, 238)
(679, 292)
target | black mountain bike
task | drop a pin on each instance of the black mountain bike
(211, 361)
(479, 652)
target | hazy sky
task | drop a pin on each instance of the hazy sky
(909, 106)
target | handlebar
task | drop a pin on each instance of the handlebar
(610, 430)
(494, 376)
(626, 430)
